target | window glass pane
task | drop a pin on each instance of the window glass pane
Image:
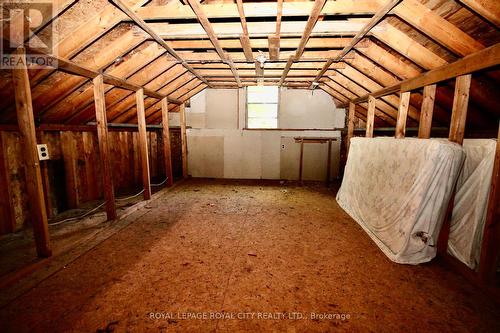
(262, 94)
(262, 122)
(263, 110)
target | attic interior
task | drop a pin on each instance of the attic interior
(250, 166)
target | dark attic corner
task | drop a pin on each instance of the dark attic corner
(249, 166)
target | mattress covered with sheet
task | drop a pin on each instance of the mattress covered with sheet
(398, 190)
(471, 201)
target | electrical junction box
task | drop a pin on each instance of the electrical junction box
(43, 152)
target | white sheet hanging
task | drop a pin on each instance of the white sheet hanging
(471, 201)
(398, 190)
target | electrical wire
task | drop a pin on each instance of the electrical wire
(160, 184)
(78, 217)
(102, 204)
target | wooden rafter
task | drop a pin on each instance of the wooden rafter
(259, 9)
(483, 59)
(274, 40)
(140, 22)
(195, 5)
(311, 22)
(379, 15)
(244, 39)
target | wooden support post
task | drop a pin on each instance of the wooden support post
(404, 103)
(490, 248)
(167, 154)
(102, 137)
(301, 159)
(143, 143)
(182, 112)
(68, 149)
(34, 183)
(7, 217)
(329, 163)
(370, 117)
(457, 130)
(459, 112)
(425, 124)
(350, 124)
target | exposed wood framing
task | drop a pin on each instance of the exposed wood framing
(425, 124)
(167, 155)
(140, 22)
(244, 39)
(143, 143)
(379, 15)
(370, 116)
(102, 137)
(402, 115)
(460, 106)
(73, 68)
(311, 22)
(274, 40)
(182, 113)
(487, 9)
(7, 217)
(350, 124)
(195, 5)
(483, 59)
(34, 183)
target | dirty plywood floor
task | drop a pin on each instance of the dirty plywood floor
(210, 247)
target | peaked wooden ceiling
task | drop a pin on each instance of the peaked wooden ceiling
(347, 48)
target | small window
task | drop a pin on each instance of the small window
(262, 107)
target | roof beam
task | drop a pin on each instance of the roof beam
(483, 59)
(71, 67)
(274, 40)
(259, 29)
(258, 9)
(202, 18)
(436, 27)
(140, 22)
(311, 22)
(379, 15)
(244, 39)
(489, 10)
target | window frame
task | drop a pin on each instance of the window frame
(278, 109)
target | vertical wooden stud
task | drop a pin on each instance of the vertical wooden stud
(457, 130)
(404, 103)
(68, 150)
(182, 111)
(370, 117)
(102, 137)
(167, 154)
(459, 112)
(329, 163)
(143, 143)
(301, 159)
(350, 124)
(425, 124)
(34, 183)
(490, 248)
(7, 217)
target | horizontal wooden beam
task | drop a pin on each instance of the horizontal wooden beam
(175, 10)
(140, 22)
(480, 60)
(73, 68)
